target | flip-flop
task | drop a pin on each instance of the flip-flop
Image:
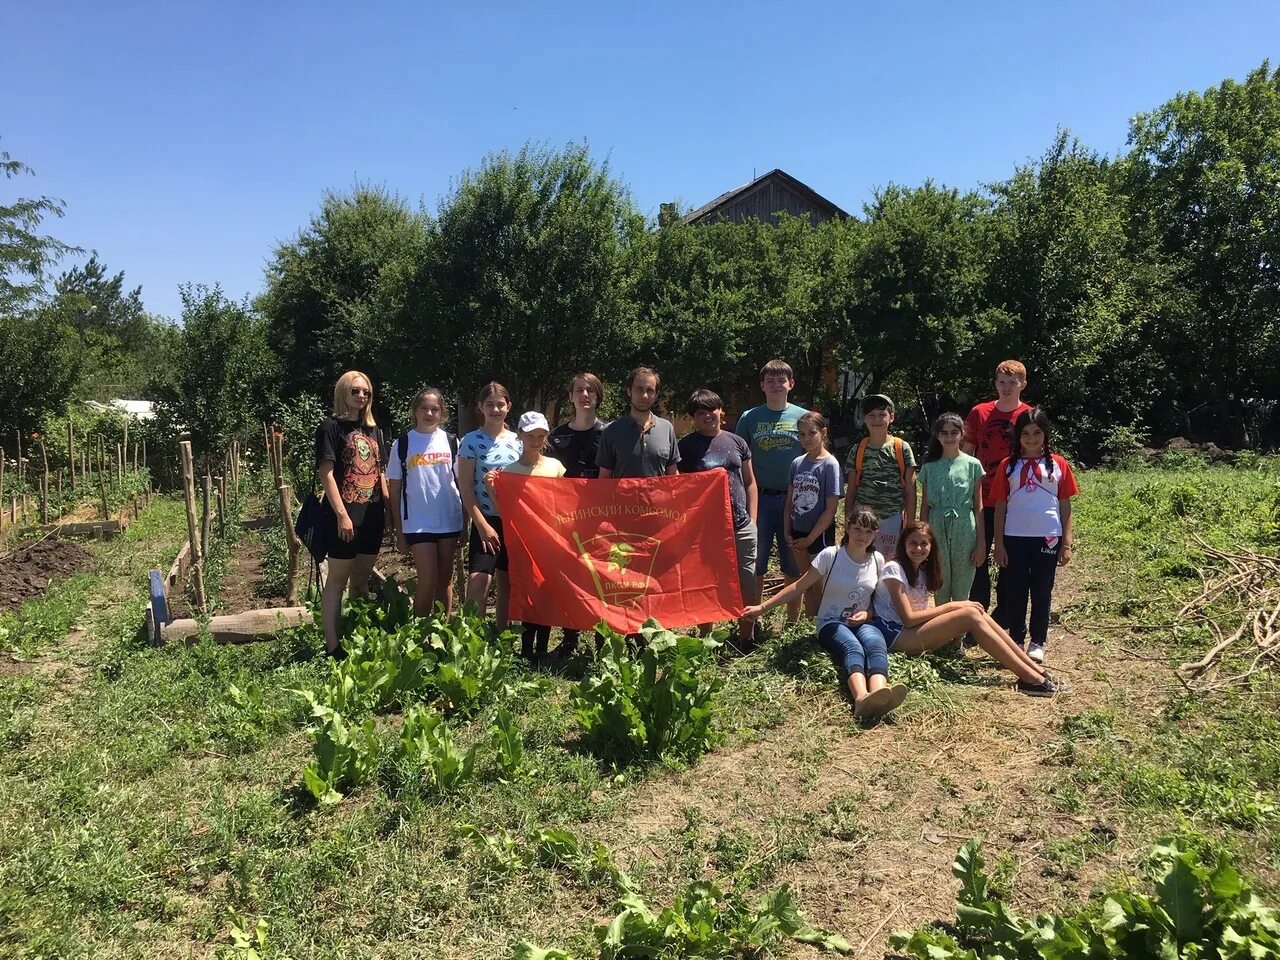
(873, 706)
(899, 691)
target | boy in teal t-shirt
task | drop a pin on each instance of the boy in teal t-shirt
(885, 479)
(772, 432)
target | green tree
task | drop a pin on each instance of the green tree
(35, 354)
(920, 314)
(1089, 302)
(529, 273)
(223, 371)
(25, 254)
(1204, 171)
(123, 350)
(336, 295)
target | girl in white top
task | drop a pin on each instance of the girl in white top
(533, 431)
(907, 622)
(426, 502)
(847, 577)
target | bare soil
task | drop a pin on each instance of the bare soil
(27, 571)
(241, 588)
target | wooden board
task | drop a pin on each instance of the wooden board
(239, 627)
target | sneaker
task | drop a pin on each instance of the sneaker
(1036, 652)
(1045, 688)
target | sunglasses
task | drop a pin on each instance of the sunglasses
(361, 392)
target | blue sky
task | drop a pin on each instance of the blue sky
(188, 140)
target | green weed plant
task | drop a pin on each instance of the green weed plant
(702, 923)
(1196, 910)
(659, 703)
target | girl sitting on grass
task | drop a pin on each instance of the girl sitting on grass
(847, 577)
(905, 621)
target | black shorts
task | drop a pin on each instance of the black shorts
(413, 539)
(478, 561)
(826, 539)
(368, 539)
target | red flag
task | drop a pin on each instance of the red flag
(582, 551)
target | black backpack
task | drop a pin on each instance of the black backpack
(402, 451)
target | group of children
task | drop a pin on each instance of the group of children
(899, 579)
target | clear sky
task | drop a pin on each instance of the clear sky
(188, 139)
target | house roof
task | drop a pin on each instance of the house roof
(820, 203)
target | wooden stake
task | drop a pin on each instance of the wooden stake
(206, 501)
(60, 500)
(1, 487)
(193, 531)
(44, 483)
(120, 466)
(71, 449)
(102, 483)
(290, 539)
(222, 506)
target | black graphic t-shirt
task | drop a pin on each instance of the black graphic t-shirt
(356, 452)
(576, 449)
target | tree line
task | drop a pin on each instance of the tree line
(1142, 291)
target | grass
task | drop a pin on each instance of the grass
(150, 798)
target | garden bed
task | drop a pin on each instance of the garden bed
(26, 571)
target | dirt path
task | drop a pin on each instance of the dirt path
(867, 823)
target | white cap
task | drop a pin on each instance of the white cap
(532, 420)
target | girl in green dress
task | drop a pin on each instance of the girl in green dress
(951, 503)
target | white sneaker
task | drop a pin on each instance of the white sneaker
(1036, 652)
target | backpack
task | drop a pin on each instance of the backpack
(402, 451)
(861, 454)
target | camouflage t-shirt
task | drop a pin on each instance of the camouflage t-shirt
(881, 486)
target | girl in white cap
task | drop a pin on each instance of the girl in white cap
(533, 430)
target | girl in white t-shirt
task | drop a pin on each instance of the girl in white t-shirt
(908, 624)
(425, 500)
(846, 577)
(1032, 493)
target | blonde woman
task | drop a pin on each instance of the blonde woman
(349, 460)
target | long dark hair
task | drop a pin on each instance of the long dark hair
(932, 567)
(934, 450)
(1037, 416)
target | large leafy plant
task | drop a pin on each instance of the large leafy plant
(1197, 911)
(470, 666)
(657, 703)
(346, 751)
(426, 743)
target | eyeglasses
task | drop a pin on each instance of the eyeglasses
(361, 392)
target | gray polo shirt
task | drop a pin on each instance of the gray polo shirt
(629, 452)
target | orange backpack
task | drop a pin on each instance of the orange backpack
(861, 454)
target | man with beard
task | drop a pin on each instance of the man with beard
(640, 444)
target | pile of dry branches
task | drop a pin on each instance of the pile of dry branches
(1238, 588)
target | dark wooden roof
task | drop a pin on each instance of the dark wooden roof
(763, 198)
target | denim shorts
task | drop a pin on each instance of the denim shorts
(889, 629)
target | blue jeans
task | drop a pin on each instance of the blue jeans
(861, 652)
(769, 533)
